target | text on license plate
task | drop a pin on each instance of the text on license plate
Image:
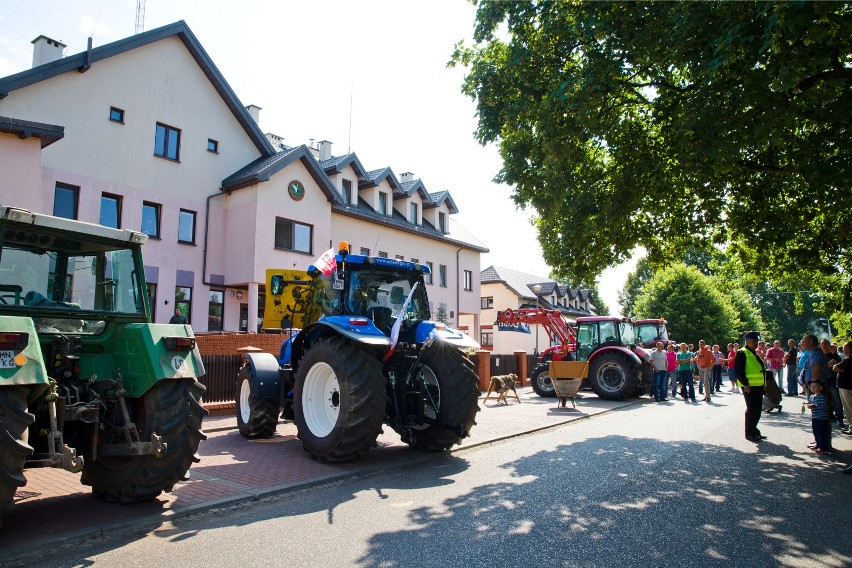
(7, 359)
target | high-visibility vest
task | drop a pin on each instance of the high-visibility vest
(753, 370)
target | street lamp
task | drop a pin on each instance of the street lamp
(828, 323)
(537, 290)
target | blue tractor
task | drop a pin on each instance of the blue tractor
(366, 354)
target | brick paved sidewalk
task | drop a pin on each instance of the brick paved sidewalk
(54, 506)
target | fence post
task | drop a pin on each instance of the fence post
(523, 374)
(483, 369)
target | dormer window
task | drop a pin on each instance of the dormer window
(383, 203)
(347, 191)
(442, 222)
(413, 215)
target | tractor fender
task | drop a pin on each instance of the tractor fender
(366, 334)
(265, 377)
(614, 348)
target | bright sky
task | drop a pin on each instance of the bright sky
(306, 64)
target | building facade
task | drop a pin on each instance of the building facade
(505, 288)
(156, 140)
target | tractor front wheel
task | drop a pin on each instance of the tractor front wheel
(170, 409)
(257, 417)
(612, 376)
(451, 397)
(339, 400)
(542, 383)
(14, 449)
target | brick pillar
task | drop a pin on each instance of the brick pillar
(483, 369)
(523, 375)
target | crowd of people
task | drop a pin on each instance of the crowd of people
(818, 370)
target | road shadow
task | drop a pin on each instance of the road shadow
(639, 502)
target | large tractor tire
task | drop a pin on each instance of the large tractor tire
(542, 383)
(257, 417)
(452, 387)
(339, 400)
(613, 376)
(14, 449)
(171, 409)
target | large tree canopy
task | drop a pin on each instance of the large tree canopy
(670, 124)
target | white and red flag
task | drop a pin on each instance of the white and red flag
(326, 263)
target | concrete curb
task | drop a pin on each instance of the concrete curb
(151, 521)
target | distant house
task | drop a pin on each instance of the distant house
(503, 288)
(156, 140)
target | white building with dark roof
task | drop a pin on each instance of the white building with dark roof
(504, 288)
(155, 139)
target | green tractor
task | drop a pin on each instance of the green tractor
(87, 383)
(366, 355)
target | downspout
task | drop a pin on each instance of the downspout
(206, 233)
(458, 294)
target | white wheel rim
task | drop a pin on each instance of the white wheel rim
(245, 410)
(321, 399)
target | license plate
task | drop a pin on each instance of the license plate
(7, 359)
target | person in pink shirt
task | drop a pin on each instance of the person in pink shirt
(671, 367)
(732, 353)
(775, 363)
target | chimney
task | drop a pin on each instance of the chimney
(46, 50)
(254, 112)
(324, 150)
(406, 177)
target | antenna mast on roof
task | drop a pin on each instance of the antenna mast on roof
(140, 16)
(349, 142)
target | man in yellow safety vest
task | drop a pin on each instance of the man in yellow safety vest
(750, 372)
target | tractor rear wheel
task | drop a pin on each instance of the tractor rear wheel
(14, 449)
(339, 400)
(452, 389)
(257, 417)
(542, 383)
(612, 376)
(170, 409)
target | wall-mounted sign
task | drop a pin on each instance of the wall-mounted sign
(296, 189)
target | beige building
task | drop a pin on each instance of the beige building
(156, 140)
(504, 288)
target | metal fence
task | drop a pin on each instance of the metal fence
(221, 377)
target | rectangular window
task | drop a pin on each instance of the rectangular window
(365, 251)
(486, 302)
(186, 227)
(212, 146)
(486, 338)
(116, 114)
(347, 191)
(442, 222)
(442, 275)
(468, 280)
(215, 310)
(65, 200)
(413, 214)
(151, 219)
(383, 254)
(152, 300)
(291, 235)
(399, 257)
(414, 260)
(428, 277)
(183, 302)
(383, 203)
(167, 142)
(111, 210)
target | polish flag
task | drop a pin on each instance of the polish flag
(326, 263)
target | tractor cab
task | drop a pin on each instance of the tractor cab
(594, 333)
(650, 331)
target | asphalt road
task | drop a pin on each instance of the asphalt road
(670, 484)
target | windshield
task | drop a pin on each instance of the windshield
(66, 275)
(647, 332)
(626, 333)
(372, 291)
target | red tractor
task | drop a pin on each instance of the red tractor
(616, 367)
(649, 332)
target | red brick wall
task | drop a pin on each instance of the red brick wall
(227, 343)
(483, 369)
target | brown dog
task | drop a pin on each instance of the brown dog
(502, 384)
